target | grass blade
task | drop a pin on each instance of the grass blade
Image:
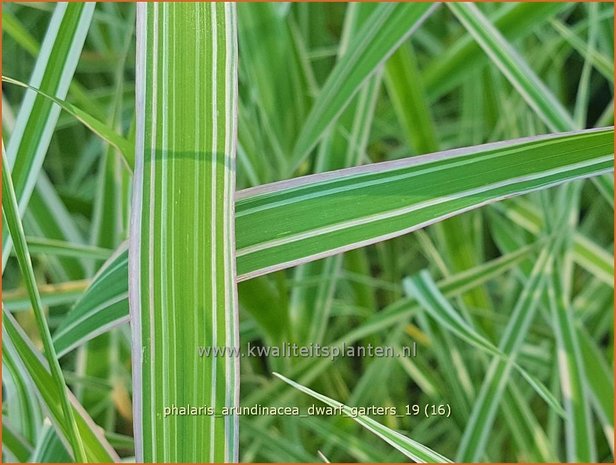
(259, 212)
(398, 312)
(578, 425)
(600, 382)
(97, 127)
(21, 410)
(51, 294)
(407, 94)
(37, 116)
(47, 216)
(479, 426)
(19, 349)
(11, 214)
(465, 56)
(517, 71)
(364, 205)
(49, 448)
(425, 290)
(377, 39)
(46, 246)
(182, 286)
(14, 445)
(586, 253)
(602, 63)
(105, 303)
(412, 449)
(18, 31)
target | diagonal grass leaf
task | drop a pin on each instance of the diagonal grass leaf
(412, 449)
(376, 40)
(37, 116)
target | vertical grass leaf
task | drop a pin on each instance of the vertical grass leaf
(480, 424)
(182, 280)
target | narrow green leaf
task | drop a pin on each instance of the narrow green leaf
(17, 347)
(578, 424)
(412, 449)
(14, 445)
(97, 127)
(182, 280)
(37, 116)
(103, 305)
(406, 91)
(15, 29)
(476, 433)
(399, 197)
(399, 312)
(600, 382)
(21, 406)
(51, 294)
(605, 186)
(526, 427)
(602, 63)
(47, 216)
(465, 56)
(46, 246)
(275, 74)
(378, 38)
(517, 71)
(594, 258)
(10, 213)
(49, 448)
(425, 290)
(363, 205)
(586, 253)
(343, 145)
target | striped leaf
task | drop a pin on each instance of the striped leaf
(10, 214)
(15, 446)
(514, 21)
(112, 312)
(22, 410)
(51, 294)
(182, 280)
(96, 126)
(398, 197)
(425, 290)
(578, 425)
(102, 306)
(368, 204)
(517, 71)
(586, 253)
(381, 34)
(600, 382)
(412, 449)
(49, 448)
(19, 349)
(37, 116)
(477, 430)
(398, 312)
